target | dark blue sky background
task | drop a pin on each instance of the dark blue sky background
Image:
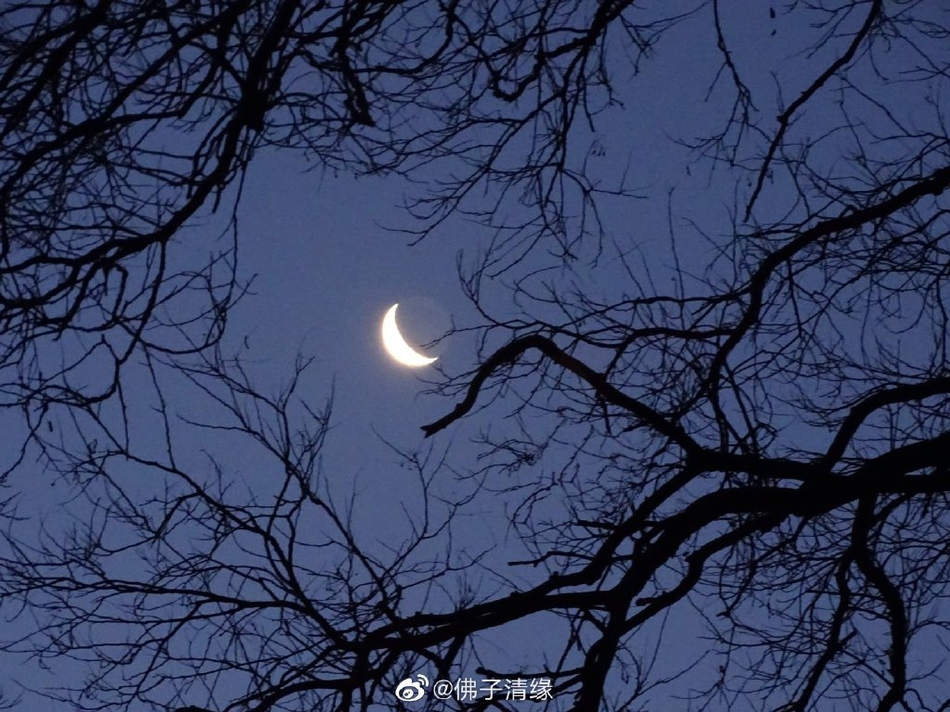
(326, 269)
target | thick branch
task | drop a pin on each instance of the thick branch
(509, 355)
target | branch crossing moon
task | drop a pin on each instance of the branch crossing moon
(397, 347)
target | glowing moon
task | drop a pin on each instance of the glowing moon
(397, 347)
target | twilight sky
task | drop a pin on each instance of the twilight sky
(327, 269)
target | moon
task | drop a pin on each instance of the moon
(396, 345)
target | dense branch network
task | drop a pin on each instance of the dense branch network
(125, 123)
(758, 450)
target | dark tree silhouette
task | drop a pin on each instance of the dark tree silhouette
(124, 123)
(754, 459)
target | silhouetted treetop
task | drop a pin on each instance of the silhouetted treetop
(728, 425)
(123, 123)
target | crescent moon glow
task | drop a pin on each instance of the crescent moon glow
(397, 347)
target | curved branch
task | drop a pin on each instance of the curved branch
(785, 118)
(509, 355)
(861, 410)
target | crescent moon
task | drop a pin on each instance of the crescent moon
(396, 345)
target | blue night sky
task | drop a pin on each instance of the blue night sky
(325, 258)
